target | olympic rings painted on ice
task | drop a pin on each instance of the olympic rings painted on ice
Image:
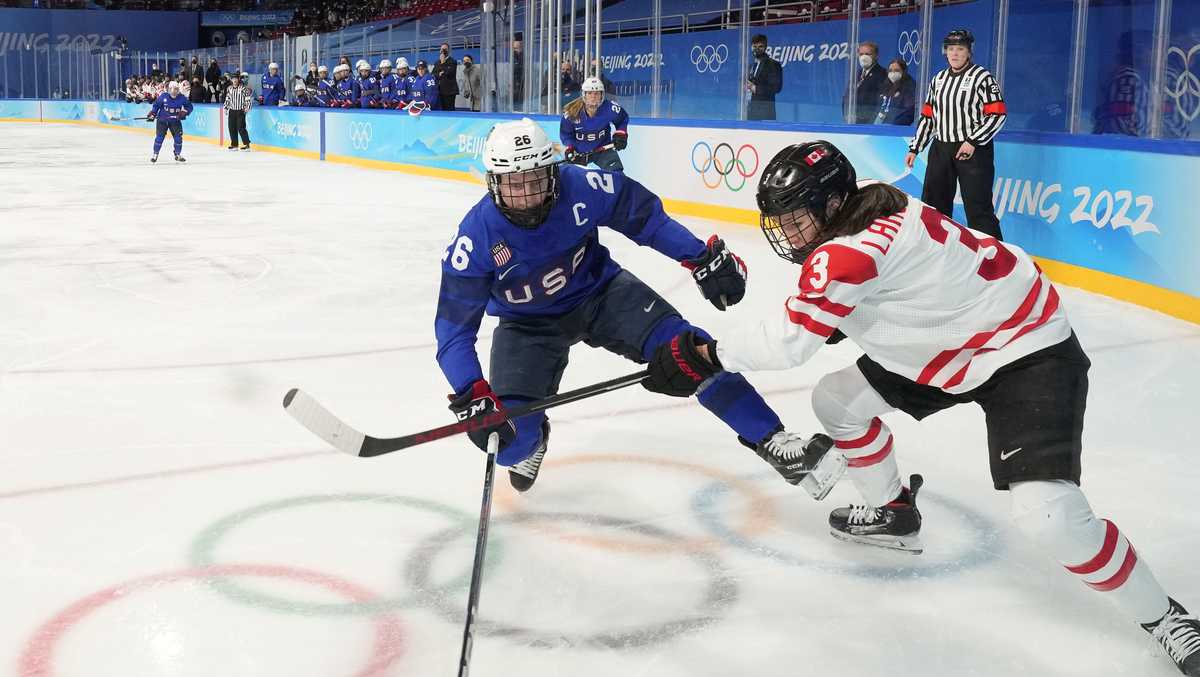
(724, 164)
(721, 593)
(37, 660)
(980, 544)
(760, 510)
(709, 58)
(203, 552)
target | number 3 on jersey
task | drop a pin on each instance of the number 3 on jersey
(819, 265)
(458, 252)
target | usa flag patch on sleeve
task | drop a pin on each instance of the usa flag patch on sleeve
(501, 254)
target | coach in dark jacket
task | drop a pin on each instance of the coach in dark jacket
(766, 79)
(445, 71)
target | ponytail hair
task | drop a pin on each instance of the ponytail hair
(872, 201)
(573, 109)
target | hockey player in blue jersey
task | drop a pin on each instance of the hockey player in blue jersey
(325, 94)
(273, 91)
(529, 253)
(303, 99)
(346, 89)
(387, 84)
(593, 129)
(424, 88)
(168, 112)
(368, 86)
(401, 93)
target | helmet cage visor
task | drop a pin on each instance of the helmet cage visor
(794, 234)
(525, 197)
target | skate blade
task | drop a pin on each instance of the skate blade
(910, 544)
(825, 476)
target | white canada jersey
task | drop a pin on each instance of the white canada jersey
(925, 297)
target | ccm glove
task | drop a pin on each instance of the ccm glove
(570, 154)
(677, 368)
(620, 139)
(476, 400)
(719, 273)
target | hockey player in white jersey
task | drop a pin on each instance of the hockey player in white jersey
(945, 315)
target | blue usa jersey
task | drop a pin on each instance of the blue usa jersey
(425, 88)
(325, 93)
(387, 89)
(511, 272)
(586, 134)
(273, 90)
(368, 91)
(169, 108)
(348, 90)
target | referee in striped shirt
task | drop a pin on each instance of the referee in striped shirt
(962, 114)
(238, 100)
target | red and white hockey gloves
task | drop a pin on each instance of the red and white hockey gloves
(620, 139)
(719, 273)
(479, 399)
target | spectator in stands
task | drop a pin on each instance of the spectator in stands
(183, 68)
(213, 78)
(518, 75)
(867, 87)
(472, 85)
(898, 100)
(195, 70)
(571, 84)
(313, 77)
(343, 59)
(199, 93)
(766, 80)
(154, 71)
(445, 71)
(609, 87)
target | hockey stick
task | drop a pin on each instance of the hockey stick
(485, 519)
(322, 423)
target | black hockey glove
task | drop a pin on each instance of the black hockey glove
(620, 139)
(677, 368)
(719, 273)
(476, 400)
(573, 156)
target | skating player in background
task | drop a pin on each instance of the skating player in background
(273, 91)
(529, 253)
(946, 315)
(593, 129)
(168, 113)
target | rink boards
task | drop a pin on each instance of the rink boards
(1108, 214)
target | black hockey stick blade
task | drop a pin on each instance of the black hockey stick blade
(324, 424)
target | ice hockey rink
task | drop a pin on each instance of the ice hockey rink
(160, 514)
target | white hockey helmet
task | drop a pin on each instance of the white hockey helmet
(593, 84)
(300, 87)
(341, 68)
(173, 86)
(401, 63)
(322, 69)
(362, 64)
(272, 66)
(522, 171)
(385, 64)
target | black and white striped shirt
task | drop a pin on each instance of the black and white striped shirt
(963, 106)
(238, 98)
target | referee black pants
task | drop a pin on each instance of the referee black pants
(943, 174)
(237, 125)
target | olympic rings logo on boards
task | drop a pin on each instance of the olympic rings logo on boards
(1185, 90)
(909, 46)
(360, 135)
(722, 164)
(709, 58)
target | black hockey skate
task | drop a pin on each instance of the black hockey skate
(246, 147)
(180, 158)
(896, 525)
(800, 460)
(524, 474)
(1179, 636)
(233, 146)
(154, 158)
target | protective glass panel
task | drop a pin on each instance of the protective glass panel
(1181, 79)
(1119, 71)
(885, 64)
(1038, 64)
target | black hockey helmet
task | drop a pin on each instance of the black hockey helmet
(797, 183)
(959, 36)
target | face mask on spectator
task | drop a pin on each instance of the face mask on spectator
(895, 76)
(865, 60)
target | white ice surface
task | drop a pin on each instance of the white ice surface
(152, 317)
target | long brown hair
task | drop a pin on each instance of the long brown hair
(573, 109)
(873, 201)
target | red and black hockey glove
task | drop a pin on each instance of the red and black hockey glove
(677, 368)
(479, 399)
(150, 117)
(570, 154)
(620, 139)
(719, 273)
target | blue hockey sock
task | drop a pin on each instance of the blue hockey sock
(529, 434)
